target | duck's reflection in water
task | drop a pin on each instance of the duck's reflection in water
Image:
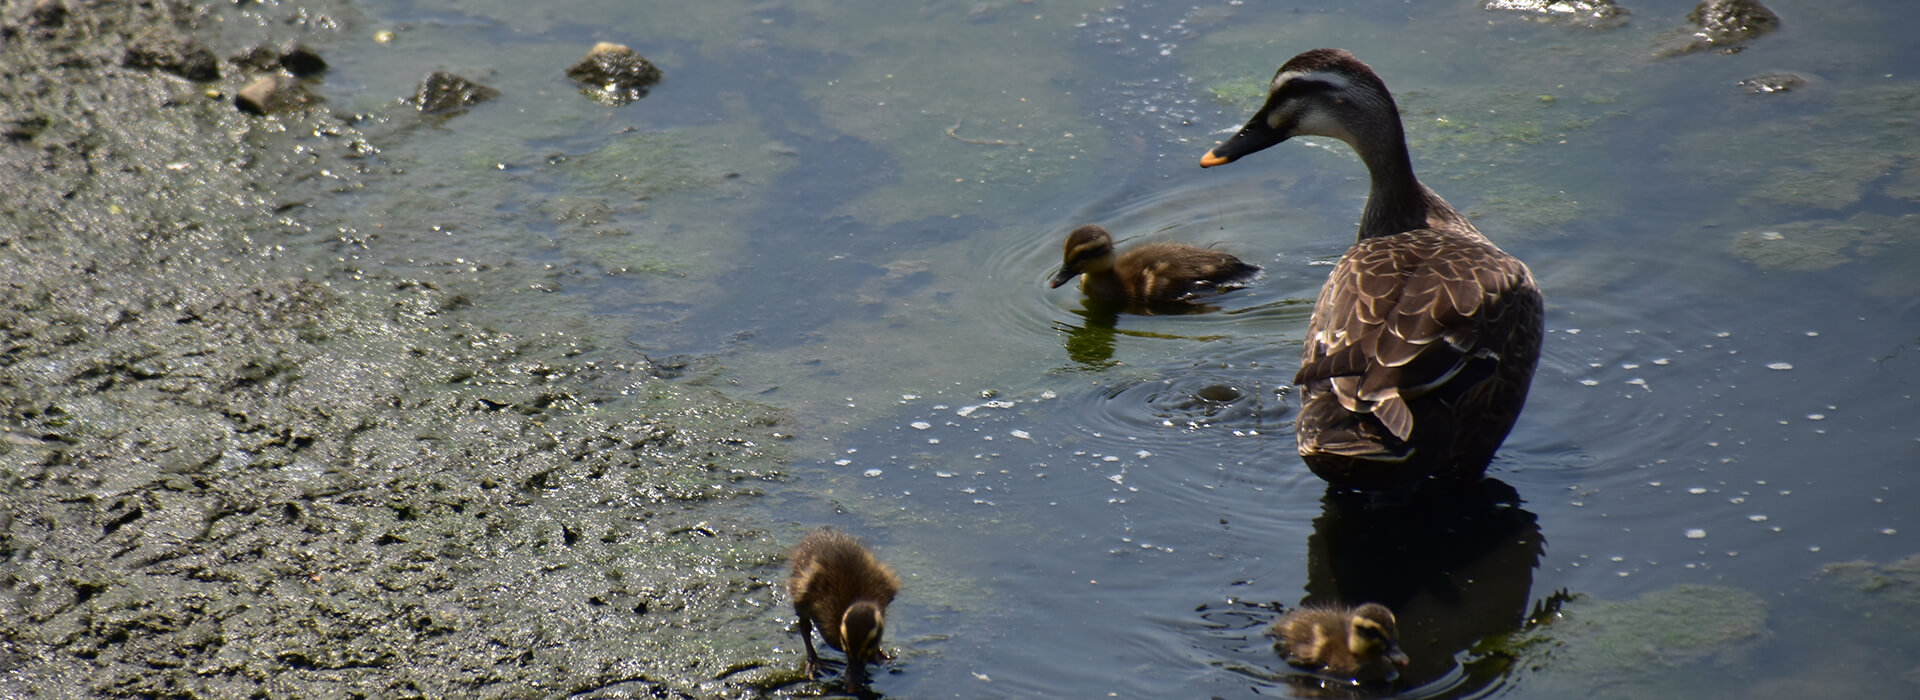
(1455, 565)
(1090, 344)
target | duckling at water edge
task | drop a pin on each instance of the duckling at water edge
(839, 585)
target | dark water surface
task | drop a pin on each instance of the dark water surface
(852, 208)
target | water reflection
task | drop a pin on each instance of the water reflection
(1090, 344)
(1455, 567)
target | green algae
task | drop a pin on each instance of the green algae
(971, 115)
(1885, 595)
(1779, 165)
(1656, 644)
(1886, 246)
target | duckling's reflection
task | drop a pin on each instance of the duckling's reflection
(1454, 566)
(1090, 344)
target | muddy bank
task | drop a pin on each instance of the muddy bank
(223, 473)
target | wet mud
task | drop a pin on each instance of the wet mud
(224, 473)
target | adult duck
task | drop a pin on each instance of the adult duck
(1424, 340)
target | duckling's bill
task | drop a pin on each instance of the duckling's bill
(1065, 275)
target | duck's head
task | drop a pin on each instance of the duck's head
(1088, 249)
(1323, 92)
(860, 631)
(1372, 635)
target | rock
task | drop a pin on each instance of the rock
(614, 74)
(441, 91)
(259, 57)
(178, 55)
(1722, 24)
(48, 14)
(296, 58)
(1769, 83)
(302, 61)
(271, 94)
(21, 129)
(1732, 21)
(1594, 14)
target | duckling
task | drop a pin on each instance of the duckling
(1358, 644)
(1149, 274)
(838, 584)
(1424, 340)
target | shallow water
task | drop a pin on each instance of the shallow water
(853, 208)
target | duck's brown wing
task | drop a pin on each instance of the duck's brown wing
(1410, 314)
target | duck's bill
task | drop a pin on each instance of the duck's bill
(1254, 137)
(1062, 277)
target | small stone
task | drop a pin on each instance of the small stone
(441, 91)
(270, 94)
(614, 74)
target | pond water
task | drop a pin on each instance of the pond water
(849, 210)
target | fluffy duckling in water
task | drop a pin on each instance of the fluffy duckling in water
(1148, 274)
(839, 585)
(1359, 644)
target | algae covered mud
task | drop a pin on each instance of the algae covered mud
(229, 469)
(363, 398)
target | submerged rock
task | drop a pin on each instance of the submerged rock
(614, 74)
(302, 61)
(1594, 14)
(182, 56)
(296, 59)
(441, 91)
(1769, 83)
(1722, 24)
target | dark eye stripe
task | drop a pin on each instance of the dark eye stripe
(1086, 254)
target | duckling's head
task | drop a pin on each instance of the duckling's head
(1323, 92)
(1088, 249)
(860, 631)
(1372, 635)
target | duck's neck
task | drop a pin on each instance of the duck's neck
(1103, 284)
(1397, 201)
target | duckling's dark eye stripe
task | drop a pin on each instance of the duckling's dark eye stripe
(1085, 253)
